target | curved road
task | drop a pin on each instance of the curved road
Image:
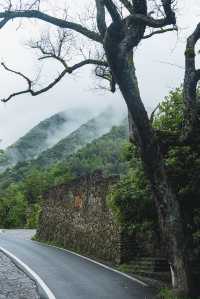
(70, 276)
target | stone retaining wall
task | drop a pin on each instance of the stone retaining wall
(77, 217)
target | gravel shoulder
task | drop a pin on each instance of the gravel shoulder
(15, 284)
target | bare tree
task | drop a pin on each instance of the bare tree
(131, 22)
(58, 49)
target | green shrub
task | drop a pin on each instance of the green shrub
(32, 215)
(166, 293)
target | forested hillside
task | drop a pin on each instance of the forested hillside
(44, 135)
(86, 133)
(105, 153)
(101, 153)
(23, 185)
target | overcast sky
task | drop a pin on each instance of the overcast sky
(153, 58)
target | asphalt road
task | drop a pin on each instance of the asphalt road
(70, 276)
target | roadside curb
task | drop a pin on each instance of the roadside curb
(97, 263)
(44, 291)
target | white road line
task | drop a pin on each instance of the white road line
(35, 276)
(99, 264)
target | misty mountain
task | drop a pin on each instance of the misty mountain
(39, 145)
(103, 153)
(44, 135)
(85, 134)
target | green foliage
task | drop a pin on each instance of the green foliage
(32, 215)
(182, 163)
(166, 293)
(57, 174)
(13, 207)
(131, 198)
(34, 185)
(126, 268)
(20, 201)
(2, 156)
(103, 154)
(170, 112)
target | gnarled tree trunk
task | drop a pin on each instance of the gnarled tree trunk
(166, 202)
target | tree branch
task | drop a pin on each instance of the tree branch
(4, 22)
(67, 70)
(151, 119)
(141, 16)
(113, 11)
(50, 50)
(17, 73)
(140, 19)
(127, 4)
(160, 32)
(129, 33)
(167, 6)
(140, 7)
(101, 23)
(149, 21)
(36, 14)
(105, 73)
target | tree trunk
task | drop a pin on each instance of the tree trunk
(167, 205)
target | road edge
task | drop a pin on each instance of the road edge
(45, 292)
(97, 263)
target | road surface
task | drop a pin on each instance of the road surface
(70, 276)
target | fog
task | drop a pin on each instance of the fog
(59, 132)
(110, 116)
(159, 63)
(74, 118)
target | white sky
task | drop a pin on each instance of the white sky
(155, 76)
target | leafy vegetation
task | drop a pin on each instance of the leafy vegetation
(183, 165)
(166, 293)
(103, 154)
(131, 199)
(32, 180)
(13, 206)
(169, 116)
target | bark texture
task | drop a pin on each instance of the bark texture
(191, 128)
(168, 207)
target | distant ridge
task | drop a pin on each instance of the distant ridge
(103, 153)
(58, 136)
(44, 135)
(86, 133)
